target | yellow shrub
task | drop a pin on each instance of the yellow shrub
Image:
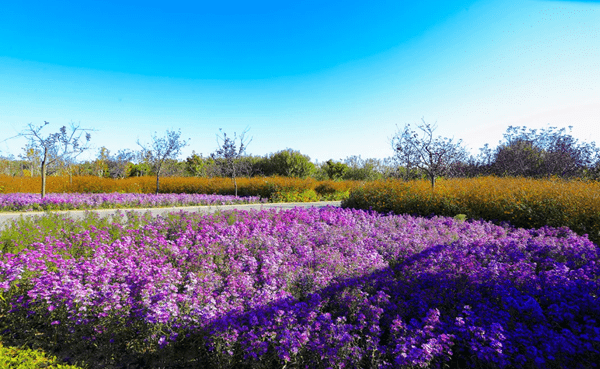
(264, 187)
(524, 202)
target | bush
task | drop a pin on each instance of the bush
(289, 163)
(335, 170)
(26, 358)
(295, 196)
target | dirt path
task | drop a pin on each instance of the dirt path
(6, 217)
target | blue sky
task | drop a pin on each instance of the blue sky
(330, 79)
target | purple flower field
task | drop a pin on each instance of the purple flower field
(69, 201)
(311, 288)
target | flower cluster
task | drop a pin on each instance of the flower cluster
(68, 201)
(316, 288)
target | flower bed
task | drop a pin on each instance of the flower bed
(69, 201)
(305, 288)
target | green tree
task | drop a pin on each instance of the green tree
(101, 162)
(290, 163)
(335, 170)
(360, 169)
(196, 165)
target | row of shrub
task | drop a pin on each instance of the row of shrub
(275, 189)
(523, 202)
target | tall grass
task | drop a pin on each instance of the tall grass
(524, 202)
(292, 189)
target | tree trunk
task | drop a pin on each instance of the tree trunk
(157, 179)
(233, 176)
(43, 173)
(432, 179)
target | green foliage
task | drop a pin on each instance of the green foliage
(195, 165)
(320, 174)
(461, 217)
(335, 191)
(295, 196)
(335, 170)
(11, 167)
(140, 170)
(26, 358)
(22, 232)
(289, 163)
(207, 167)
(360, 169)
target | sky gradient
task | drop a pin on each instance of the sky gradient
(328, 80)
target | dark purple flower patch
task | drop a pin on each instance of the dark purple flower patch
(317, 288)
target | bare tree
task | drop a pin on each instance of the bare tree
(407, 155)
(63, 146)
(433, 155)
(161, 149)
(228, 155)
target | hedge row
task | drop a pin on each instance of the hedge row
(524, 202)
(273, 188)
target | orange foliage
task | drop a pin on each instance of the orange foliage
(265, 187)
(524, 202)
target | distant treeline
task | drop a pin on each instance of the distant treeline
(523, 153)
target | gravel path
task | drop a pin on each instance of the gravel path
(6, 217)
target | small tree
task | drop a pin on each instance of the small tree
(360, 169)
(195, 165)
(57, 147)
(290, 163)
(518, 158)
(161, 149)
(433, 155)
(407, 156)
(100, 164)
(228, 155)
(335, 170)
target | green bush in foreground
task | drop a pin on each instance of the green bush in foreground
(25, 358)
